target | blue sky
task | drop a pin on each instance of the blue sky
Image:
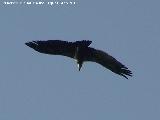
(38, 86)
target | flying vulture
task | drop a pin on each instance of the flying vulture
(81, 52)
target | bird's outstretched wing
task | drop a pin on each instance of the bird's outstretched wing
(109, 62)
(57, 47)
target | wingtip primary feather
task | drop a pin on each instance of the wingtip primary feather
(125, 72)
(28, 44)
(32, 44)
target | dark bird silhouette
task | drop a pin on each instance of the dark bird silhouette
(81, 52)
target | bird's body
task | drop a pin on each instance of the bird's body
(81, 52)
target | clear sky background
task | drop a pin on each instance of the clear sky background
(35, 86)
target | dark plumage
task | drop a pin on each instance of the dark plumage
(80, 51)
